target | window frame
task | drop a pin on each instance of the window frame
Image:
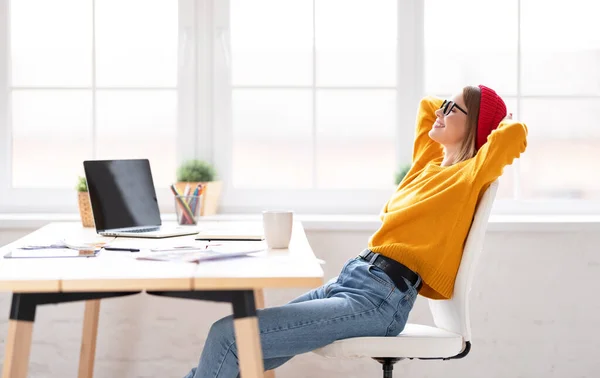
(410, 72)
(64, 200)
(205, 132)
(323, 201)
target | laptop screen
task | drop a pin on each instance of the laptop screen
(122, 193)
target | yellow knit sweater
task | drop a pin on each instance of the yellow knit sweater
(427, 219)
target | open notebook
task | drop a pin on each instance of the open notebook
(61, 248)
(196, 255)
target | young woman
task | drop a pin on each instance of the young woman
(461, 146)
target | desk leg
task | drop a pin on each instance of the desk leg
(247, 336)
(87, 354)
(259, 298)
(18, 345)
(18, 342)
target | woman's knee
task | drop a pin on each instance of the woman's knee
(222, 329)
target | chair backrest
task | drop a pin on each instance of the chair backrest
(453, 314)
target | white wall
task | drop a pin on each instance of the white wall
(535, 314)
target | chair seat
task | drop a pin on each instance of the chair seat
(418, 341)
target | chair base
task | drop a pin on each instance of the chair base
(388, 365)
(388, 362)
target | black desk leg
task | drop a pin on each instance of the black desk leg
(245, 324)
(20, 327)
(18, 341)
(247, 335)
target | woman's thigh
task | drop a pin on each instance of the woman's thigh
(318, 293)
(357, 303)
(301, 327)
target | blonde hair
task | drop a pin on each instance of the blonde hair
(472, 98)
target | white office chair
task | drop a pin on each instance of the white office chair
(451, 337)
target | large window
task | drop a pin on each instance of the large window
(311, 87)
(319, 92)
(88, 79)
(302, 104)
(543, 57)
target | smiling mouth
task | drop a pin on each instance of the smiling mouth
(438, 125)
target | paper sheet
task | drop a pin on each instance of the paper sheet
(194, 256)
(50, 252)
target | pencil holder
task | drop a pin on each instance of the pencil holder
(188, 209)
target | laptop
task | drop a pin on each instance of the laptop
(124, 200)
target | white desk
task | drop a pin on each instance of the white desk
(35, 282)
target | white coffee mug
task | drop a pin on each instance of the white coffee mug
(277, 225)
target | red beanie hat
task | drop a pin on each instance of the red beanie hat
(492, 111)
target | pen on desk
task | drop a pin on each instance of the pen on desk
(122, 249)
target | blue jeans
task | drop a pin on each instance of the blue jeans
(361, 301)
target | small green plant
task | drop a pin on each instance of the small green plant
(196, 171)
(402, 171)
(81, 184)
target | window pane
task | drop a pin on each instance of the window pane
(506, 189)
(561, 60)
(272, 134)
(356, 42)
(52, 135)
(562, 151)
(470, 42)
(139, 124)
(51, 46)
(356, 139)
(271, 42)
(136, 43)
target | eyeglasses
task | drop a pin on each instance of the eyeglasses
(447, 107)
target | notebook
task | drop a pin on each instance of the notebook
(124, 200)
(195, 256)
(241, 232)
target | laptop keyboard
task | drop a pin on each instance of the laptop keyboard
(147, 229)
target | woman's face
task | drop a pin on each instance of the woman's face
(450, 126)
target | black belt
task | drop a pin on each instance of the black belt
(395, 270)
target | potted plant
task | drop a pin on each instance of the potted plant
(193, 172)
(402, 171)
(85, 206)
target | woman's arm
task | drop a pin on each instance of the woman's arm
(383, 211)
(503, 145)
(425, 149)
